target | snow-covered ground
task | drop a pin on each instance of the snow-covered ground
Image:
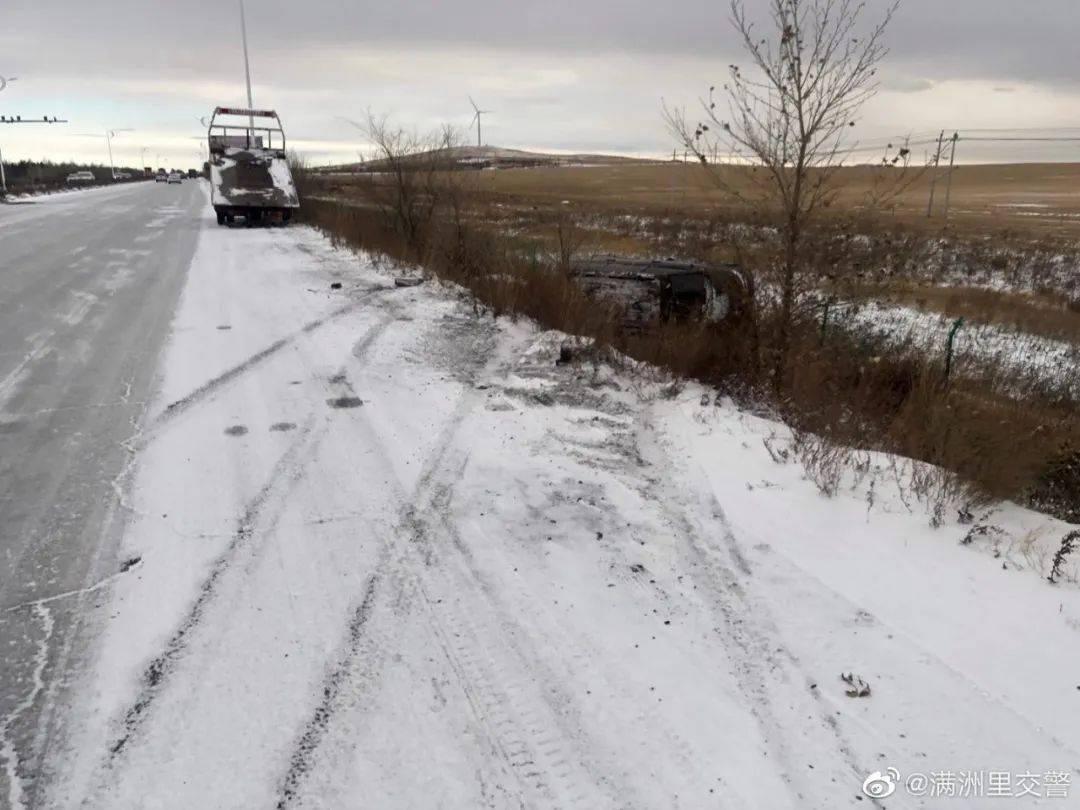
(62, 192)
(383, 553)
(1025, 358)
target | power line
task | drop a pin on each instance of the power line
(1025, 139)
(1018, 129)
(894, 143)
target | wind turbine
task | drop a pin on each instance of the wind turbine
(476, 118)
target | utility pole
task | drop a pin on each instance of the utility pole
(933, 180)
(952, 160)
(247, 72)
(3, 177)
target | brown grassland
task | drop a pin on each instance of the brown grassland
(1033, 198)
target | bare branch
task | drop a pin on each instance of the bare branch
(810, 71)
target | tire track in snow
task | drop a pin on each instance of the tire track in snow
(290, 469)
(627, 458)
(285, 473)
(526, 730)
(301, 760)
(211, 387)
(622, 460)
(396, 562)
(748, 631)
(514, 693)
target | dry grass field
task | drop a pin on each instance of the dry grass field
(1038, 198)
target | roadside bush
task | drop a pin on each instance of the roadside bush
(301, 174)
(1057, 486)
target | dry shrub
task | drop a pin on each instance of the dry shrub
(359, 227)
(699, 350)
(824, 460)
(974, 441)
(1069, 544)
(1057, 486)
(301, 174)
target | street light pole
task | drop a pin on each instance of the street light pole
(247, 72)
(109, 134)
(3, 177)
(108, 142)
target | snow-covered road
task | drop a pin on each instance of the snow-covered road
(89, 282)
(380, 552)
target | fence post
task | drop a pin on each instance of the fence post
(934, 178)
(825, 318)
(949, 347)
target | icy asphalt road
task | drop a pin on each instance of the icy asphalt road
(373, 550)
(88, 285)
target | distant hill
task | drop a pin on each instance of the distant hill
(495, 157)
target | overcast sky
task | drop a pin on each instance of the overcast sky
(561, 75)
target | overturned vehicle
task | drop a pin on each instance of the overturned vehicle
(649, 291)
(249, 171)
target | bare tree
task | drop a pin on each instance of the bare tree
(789, 116)
(414, 177)
(570, 239)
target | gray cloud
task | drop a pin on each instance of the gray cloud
(899, 83)
(567, 74)
(1002, 39)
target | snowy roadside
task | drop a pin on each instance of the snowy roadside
(383, 553)
(37, 196)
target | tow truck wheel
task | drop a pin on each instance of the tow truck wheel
(220, 217)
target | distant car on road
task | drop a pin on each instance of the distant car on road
(81, 177)
(122, 176)
(192, 174)
(176, 177)
(161, 176)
